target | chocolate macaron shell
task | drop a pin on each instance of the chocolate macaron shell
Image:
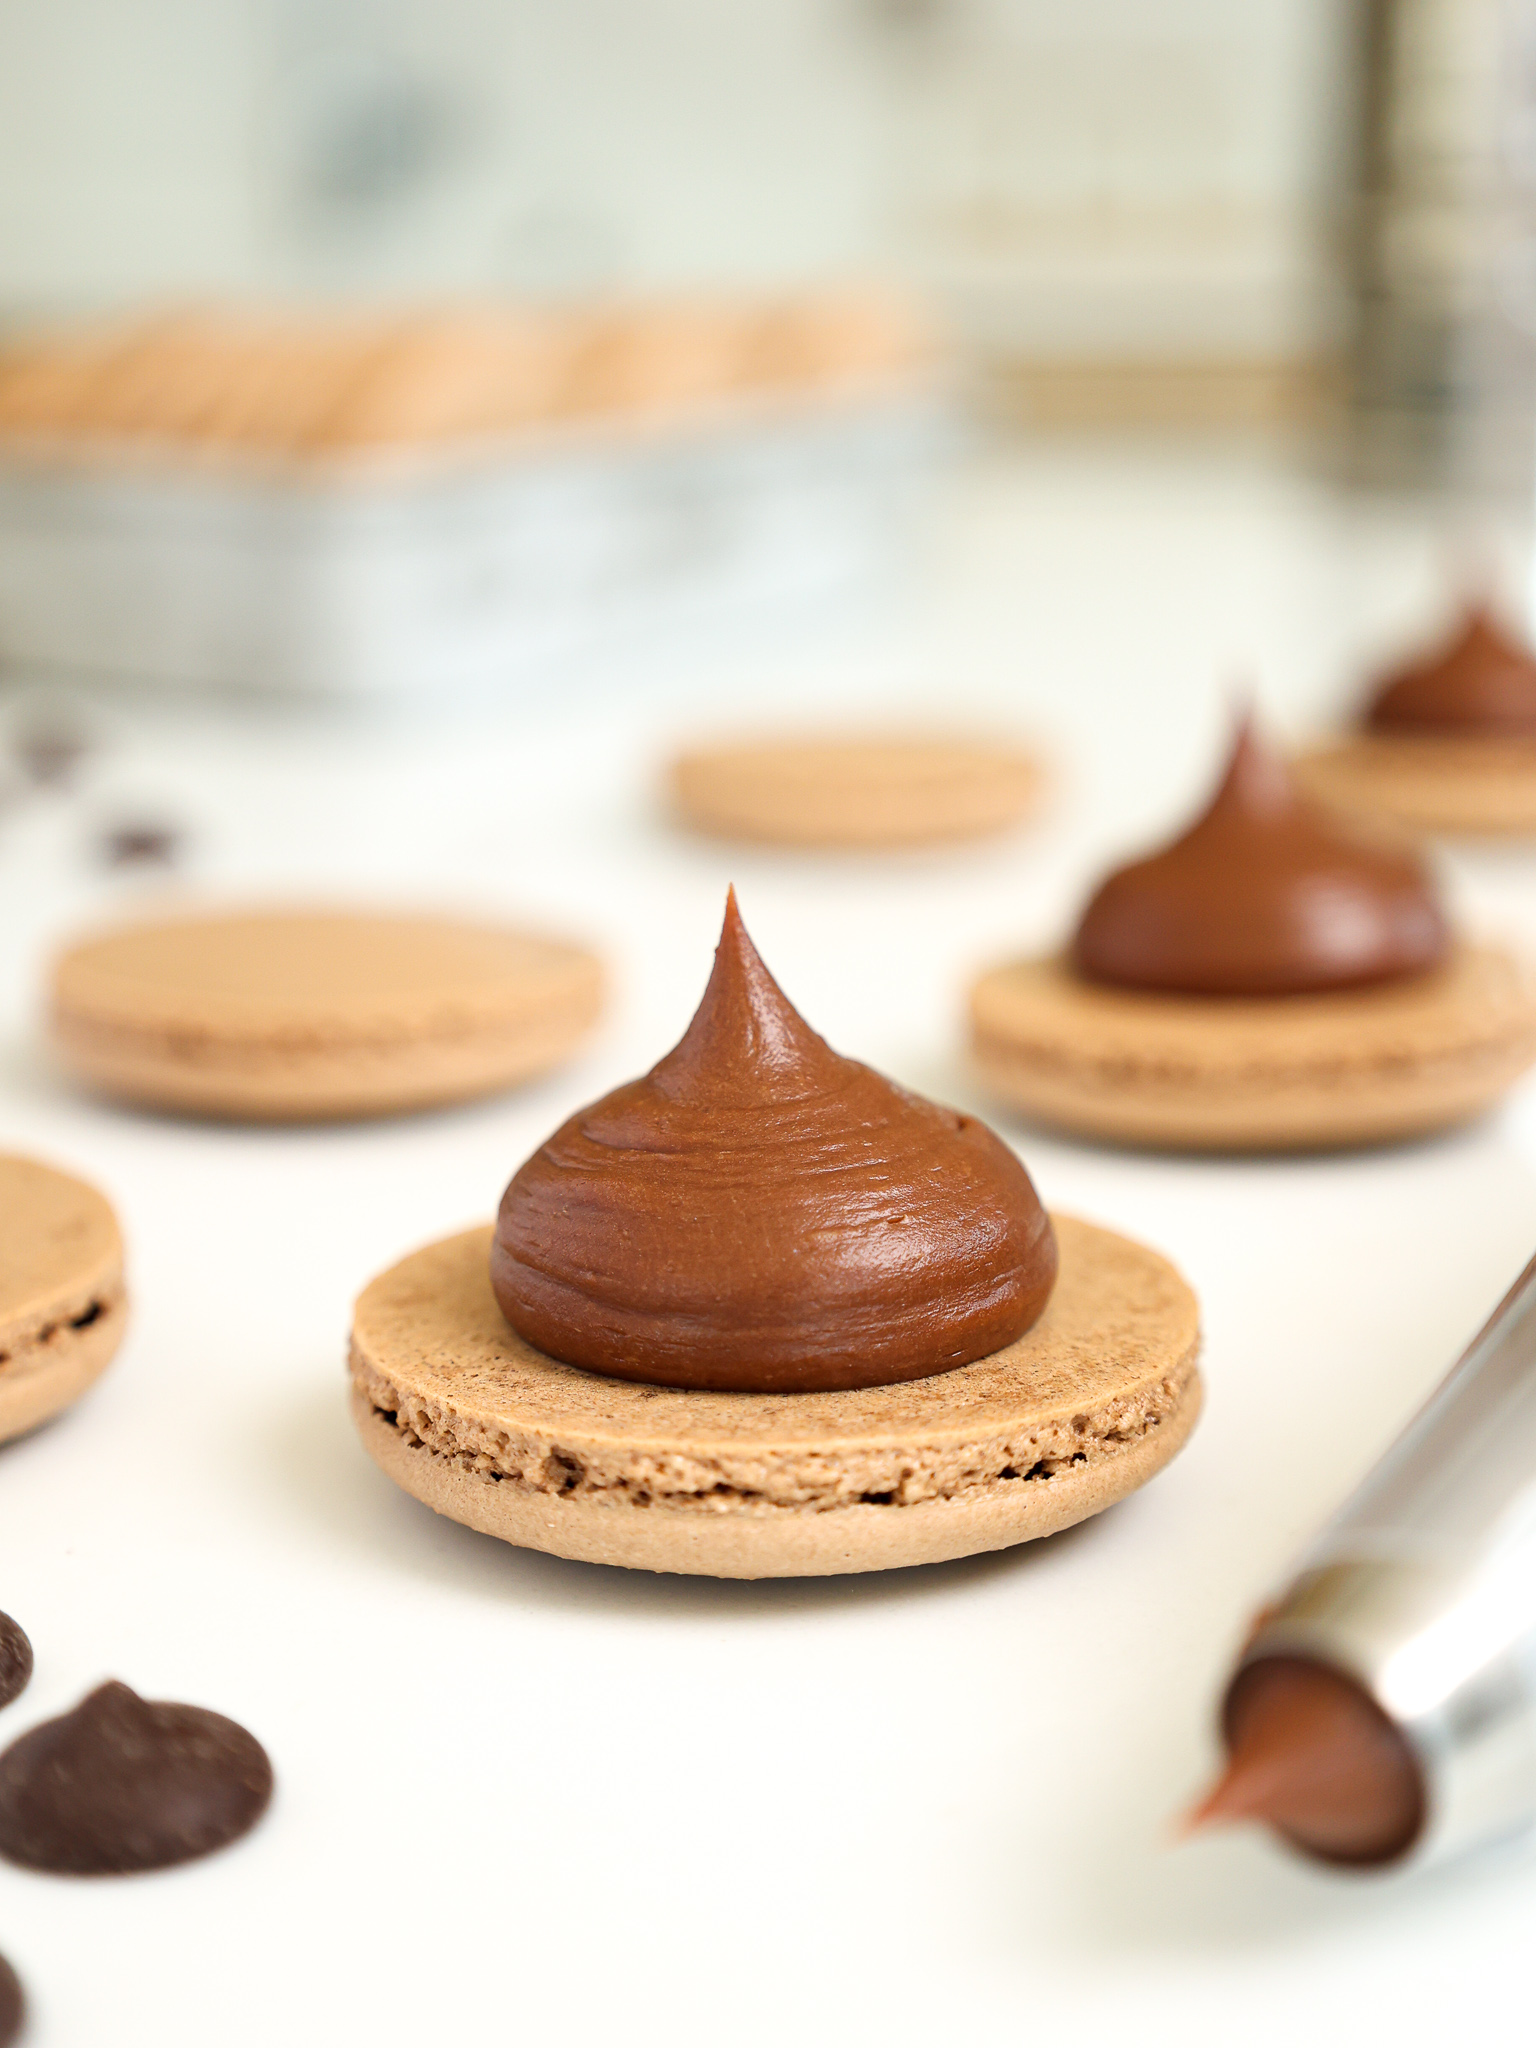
(1348, 1067)
(856, 792)
(63, 1302)
(123, 1784)
(293, 1015)
(1086, 1407)
(1475, 786)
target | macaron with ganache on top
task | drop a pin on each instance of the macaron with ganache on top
(763, 1313)
(1270, 979)
(1446, 741)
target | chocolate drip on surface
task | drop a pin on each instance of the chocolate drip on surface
(1264, 895)
(759, 1214)
(13, 2006)
(1482, 680)
(15, 1660)
(124, 1784)
(1311, 1755)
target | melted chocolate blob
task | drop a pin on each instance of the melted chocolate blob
(1264, 895)
(1312, 1755)
(1480, 681)
(759, 1214)
(15, 1660)
(13, 2007)
(126, 1784)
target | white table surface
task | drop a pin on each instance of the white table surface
(522, 1799)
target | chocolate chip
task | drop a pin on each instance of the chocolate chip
(127, 1784)
(140, 845)
(15, 1660)
(13, 2007)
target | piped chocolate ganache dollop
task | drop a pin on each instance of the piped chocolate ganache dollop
(760, 1215)
(1480, 682)
(1264, 895)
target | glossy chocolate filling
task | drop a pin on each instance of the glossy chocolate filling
(759, 1214)
(1264, 895)
(1479, 682)
(1310, 1754)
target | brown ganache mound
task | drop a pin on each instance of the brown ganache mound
(125, 1784)
(760, 1215)
(1264, 895)
(1310, 1753)
(1480, 681)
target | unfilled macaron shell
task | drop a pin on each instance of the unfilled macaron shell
(855, 791)
(295, 1014)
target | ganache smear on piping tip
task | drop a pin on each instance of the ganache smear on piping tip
(1312, 1756)
(124, 1784)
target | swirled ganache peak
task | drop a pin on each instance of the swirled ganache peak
(1264, 895)
(758, 1214)
(1482, 680)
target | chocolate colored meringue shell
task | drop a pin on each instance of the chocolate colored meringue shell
(761, 1215)
(1265, 895)
(1482, 681)
(124, 1784)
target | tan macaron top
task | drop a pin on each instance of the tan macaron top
(313, 974)
(1121, 1316)
(58, 1238)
